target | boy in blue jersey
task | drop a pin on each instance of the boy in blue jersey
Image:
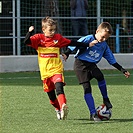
(85, 65)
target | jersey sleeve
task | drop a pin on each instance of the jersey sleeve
(63, 42)
(108, 55)
(35, 41)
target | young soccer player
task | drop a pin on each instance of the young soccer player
(85, 65)
(48, 47)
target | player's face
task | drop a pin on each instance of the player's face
(102, 35)
(49, 31)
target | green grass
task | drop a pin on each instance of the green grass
(25, 108)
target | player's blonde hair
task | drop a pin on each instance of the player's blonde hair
(106, 26)
(47, 21)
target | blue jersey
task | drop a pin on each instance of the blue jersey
(95, 53)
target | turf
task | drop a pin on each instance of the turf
(25, 108)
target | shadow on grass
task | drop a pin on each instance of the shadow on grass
(84, 120)
(121, 120)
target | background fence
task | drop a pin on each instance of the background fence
(17, 15)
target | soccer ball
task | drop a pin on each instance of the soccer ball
(103, 113)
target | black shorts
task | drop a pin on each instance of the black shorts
(83, 70)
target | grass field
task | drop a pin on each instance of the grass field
(25, 108)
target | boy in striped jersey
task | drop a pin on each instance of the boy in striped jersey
(47, 45)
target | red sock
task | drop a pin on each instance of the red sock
(55, 103)
(61, 99)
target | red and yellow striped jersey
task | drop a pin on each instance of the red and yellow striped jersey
(49, 53)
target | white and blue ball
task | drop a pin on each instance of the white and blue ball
(103, 113)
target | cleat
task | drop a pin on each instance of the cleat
(58, 114)
(94, 117)
(106, 101)
(64, 112)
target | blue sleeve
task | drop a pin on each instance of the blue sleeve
(108, 55)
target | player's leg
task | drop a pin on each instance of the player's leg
(88, 97)
(62, 99)
(49, 89)
(90, 101)
(54, 102)
(102, 86)
(84, 77)
(58, 80)
(53, 99)
(60, 93)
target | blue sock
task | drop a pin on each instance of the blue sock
(103, 88)
(90, 103)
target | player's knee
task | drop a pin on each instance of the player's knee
(100, 77)
(87, 87)
(59, 88)
(97, 74)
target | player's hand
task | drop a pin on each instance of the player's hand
(127, 74)
(64, 57)
(31, 28)
(93, 43)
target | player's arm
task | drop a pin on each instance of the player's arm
(28, 35)
(74, 45)
(108, 55)
(66, 53)
(82, 44)
(120, 68)
(78, 44)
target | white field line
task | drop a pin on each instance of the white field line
(72, 76)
